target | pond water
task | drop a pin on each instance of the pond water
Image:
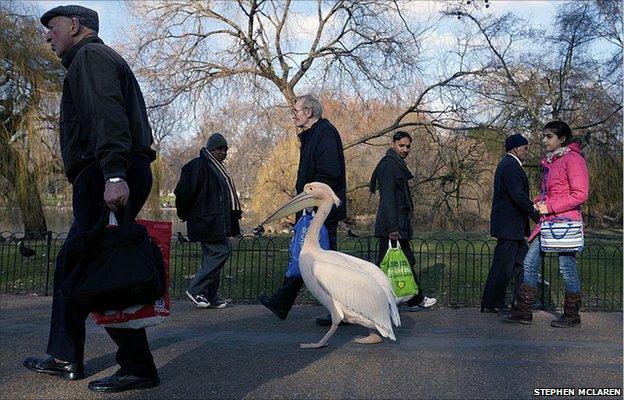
(59, 219)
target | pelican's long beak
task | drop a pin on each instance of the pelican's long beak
(297, 203)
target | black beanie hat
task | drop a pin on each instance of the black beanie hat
(215, 141)
(514, 141)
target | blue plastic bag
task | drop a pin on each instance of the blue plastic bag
(301, 230)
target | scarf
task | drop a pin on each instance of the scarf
(223, 176)
(391, 155)
(560, 152)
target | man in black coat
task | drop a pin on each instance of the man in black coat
(206, 199)
(394, 214)
(509, 223)
(321, 159)
(106, 149)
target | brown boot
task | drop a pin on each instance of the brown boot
(522, 311)
(571, 307)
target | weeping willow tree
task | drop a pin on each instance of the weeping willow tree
(29, 75)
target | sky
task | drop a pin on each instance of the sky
(115, 18)
(114, 15)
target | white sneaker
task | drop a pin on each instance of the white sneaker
(427, 302)
(219, 304)
(199, 299)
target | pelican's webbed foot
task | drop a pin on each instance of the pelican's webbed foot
(373, 338)
(312, 345)
(323, 342)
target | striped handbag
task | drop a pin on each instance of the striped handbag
(561, 235)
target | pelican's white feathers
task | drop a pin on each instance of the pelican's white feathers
(352, 289)
(357, 289)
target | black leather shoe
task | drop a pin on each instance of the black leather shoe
(71, 371)
(120, 383)
(266, 301)
(327, 321)
(494, 310)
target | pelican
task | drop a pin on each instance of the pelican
(353, 290)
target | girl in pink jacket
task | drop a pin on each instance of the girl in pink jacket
(565, 187)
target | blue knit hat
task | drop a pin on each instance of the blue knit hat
(514, 141)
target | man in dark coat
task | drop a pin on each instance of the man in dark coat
(206, 199)
(394, 215)
(106, 149)
(321, 159)
(509, 223)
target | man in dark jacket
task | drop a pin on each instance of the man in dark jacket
(206, 199)
(394, 214)
(509, 223)
(321, 159)
(106, 149)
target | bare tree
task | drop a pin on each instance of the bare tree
(547, 82)
(238, 62)
(211, 49)
(571, 76)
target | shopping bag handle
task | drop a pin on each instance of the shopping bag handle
(552, 232)
(398, 246)
(560, 219)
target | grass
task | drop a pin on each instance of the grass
(450, 266)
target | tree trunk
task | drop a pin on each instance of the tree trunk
(24, 183)
(153, 201)
(29, 201)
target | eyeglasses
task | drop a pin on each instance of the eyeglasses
(294, 111)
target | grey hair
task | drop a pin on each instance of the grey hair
(86, 29)
(311, 102)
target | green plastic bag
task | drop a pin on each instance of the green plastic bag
(397, 269)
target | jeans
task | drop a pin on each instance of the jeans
(567, 265)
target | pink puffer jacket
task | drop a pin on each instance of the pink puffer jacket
(565, 186)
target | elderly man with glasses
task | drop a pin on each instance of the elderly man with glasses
(321, 159)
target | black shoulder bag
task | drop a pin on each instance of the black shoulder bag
(112, 267)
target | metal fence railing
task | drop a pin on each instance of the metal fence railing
(453, 271)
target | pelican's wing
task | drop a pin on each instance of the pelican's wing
(356, 291)
(369, 269)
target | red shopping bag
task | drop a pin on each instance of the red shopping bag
(143, 316)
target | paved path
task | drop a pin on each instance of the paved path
(245, 352)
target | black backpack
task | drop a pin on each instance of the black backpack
(112, 267)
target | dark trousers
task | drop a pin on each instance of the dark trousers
(214, 256)
(407, 250)
(506, 265)
(67, 325)
(285, 296)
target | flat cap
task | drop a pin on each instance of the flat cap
(86, 16)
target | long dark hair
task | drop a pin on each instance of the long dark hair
(561, 129)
